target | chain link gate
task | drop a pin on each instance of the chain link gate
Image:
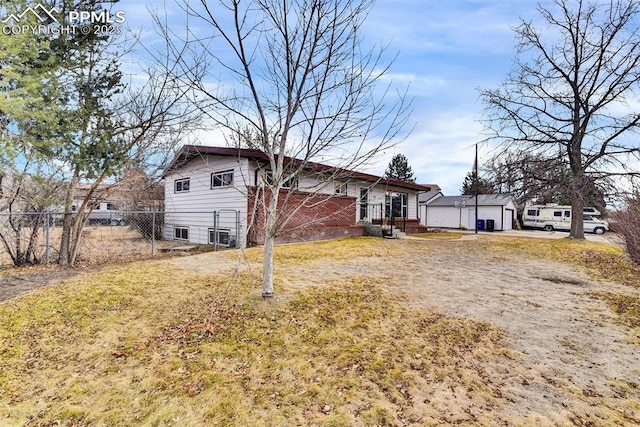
(226, 229)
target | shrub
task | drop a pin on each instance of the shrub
(627, 223)
(144, 223)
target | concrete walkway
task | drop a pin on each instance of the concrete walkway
(540, 234)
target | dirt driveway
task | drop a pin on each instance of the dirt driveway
(574, 363)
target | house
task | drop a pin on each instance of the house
(498, 210)
(210, 198)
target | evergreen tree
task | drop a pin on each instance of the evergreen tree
(399, 169)
(484, 186)
(64, 99)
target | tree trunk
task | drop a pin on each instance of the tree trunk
(67, 224)
(269, 242)
(577, 206)
(267, 267)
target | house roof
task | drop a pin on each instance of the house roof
(190, 152)
(470, 200)
(425, 197)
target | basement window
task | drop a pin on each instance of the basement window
(223, 236)
(181, 233)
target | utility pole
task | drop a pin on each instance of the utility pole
(475, 185)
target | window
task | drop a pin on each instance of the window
(288, 181)
(340, 188)
(557, 213)
(181, 185)
(181, 233)
(222, 179)
(567, 214)
(532, 212)
(397, 205)
(223, 237)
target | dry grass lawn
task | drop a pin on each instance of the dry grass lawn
(348, 341)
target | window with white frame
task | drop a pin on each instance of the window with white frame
(340, 188)
(181, 233)
(222, 179)
(287, 182)
(181, 185)
(223, 236)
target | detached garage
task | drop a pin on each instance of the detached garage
(497, 211)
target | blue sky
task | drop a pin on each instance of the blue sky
(446, 50)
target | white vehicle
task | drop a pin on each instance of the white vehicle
(558, 217)
(105, 213)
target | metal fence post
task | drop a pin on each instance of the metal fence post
(47, 218)
(215, 231)
(153, 234)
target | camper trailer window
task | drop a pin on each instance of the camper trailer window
(533, 212)
(557, 213)
(567, 214)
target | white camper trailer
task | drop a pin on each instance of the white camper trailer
(105, 213)
(558, 217)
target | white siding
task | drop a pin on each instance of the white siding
(194, 208)
(452, 217)
(377, 199)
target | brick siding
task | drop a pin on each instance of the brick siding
(319, 217)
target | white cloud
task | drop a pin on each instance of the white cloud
(440, 149)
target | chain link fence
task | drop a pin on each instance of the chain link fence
(34, 237)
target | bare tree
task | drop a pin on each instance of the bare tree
(26, 195)
(295, 76)
(570, 90)
(532, 177)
